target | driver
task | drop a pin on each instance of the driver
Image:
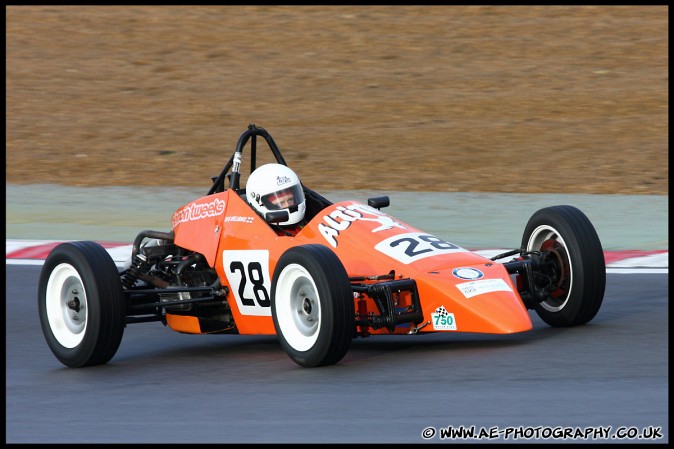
(276, 187)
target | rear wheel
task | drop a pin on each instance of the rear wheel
(81, 304)
(572, 267)
(312, 305)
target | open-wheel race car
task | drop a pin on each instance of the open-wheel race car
(347, 270)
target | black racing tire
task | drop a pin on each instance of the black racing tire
(312, 305)
(566, 238)
(81, 304)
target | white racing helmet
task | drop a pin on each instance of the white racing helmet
(276, 187)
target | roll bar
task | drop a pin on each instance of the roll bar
(234, 162)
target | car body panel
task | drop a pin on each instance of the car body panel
(460, 291)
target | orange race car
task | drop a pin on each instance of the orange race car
(275, 257)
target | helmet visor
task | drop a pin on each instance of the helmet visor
(287, 198)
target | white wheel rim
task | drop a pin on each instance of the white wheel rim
(66, 304)
(540, 235)
(298, 309)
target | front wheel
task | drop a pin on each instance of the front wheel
(312, 305)
(571, 270)
(81, 304)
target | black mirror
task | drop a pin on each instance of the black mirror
(276, 216)
(378, 202)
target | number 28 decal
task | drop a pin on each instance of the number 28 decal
(248, 274)
(412, 246)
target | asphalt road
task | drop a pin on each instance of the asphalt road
(610, 375)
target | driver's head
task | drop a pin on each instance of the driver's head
(276, 187)
(283, 198)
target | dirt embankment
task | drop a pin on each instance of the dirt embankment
(563, 99)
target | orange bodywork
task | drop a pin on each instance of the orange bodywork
(184, 324)
(459, 291)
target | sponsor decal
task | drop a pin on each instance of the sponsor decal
(443, 320)
(197, 211)
(280, 180)
(467, 273)
(474, 288)
(239, 219)
(341, 218)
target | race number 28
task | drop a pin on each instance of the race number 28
(413, 246)
(256, 278)
(248, 274)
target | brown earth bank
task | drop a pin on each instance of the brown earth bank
(544, 99)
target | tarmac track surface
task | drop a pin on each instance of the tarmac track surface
(166, 387)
